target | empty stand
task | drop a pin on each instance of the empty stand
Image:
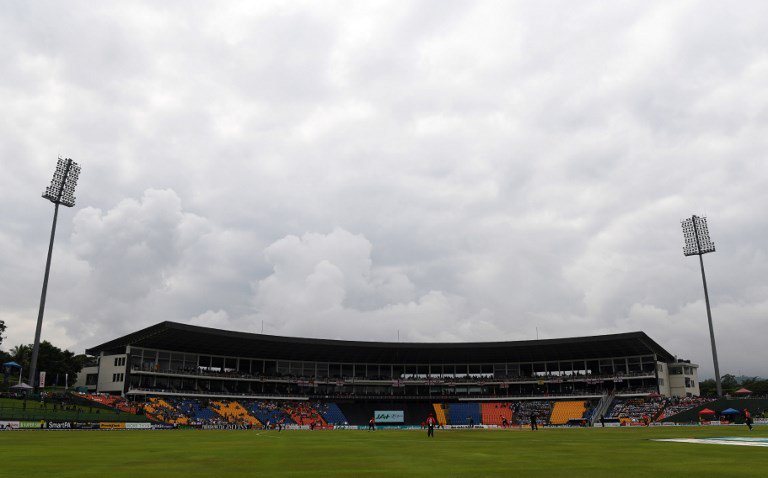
(566, 410)
(333, 414)
(461, 413)
(234, 412)
(440, 415)
(493, 413)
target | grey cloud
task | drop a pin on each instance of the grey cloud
(456, 171)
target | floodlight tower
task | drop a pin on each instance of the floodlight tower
(698, 243)
(61, 191)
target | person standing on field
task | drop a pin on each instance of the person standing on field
(748, 419)
(431, 422)
(534, 426)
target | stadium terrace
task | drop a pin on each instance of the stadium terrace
(176, 360)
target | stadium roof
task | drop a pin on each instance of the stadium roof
(178, 337)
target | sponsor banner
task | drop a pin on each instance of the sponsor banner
(165, 426)
(138, 426)
(28, 424)
(9, 425)
(112, 426)
(389, 416)
(59, 425)
(86, 425)
(42, 379)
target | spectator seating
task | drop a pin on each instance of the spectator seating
(304, 414)
(333, 414)
(440, 414)
(566, 410)
(634, 409)
(233, 412)
(112, 401)
(542, 409)
(493, 412)
(267, 411)
(460, 413)
(680, 405)
(199, 412)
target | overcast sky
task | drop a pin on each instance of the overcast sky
(452, 170)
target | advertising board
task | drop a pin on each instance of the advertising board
(389, 416)
(6, 425)
(138, 426)
(112, 425)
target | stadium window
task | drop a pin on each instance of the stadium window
(309, 369)
(217, 363)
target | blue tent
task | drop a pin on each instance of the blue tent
(729, 411)
(7, 366)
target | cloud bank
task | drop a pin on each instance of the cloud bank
(445, 170)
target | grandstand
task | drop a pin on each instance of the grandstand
(566, 410)
(635, 409)
(495, 413)
(216, 375)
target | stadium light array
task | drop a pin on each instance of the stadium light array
(62, 188)
(698, 243)
(61, 191)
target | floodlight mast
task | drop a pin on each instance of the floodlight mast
(697, 242)
(61, 191)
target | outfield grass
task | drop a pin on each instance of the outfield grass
(572, 453)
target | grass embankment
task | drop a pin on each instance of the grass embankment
(571, 453)
(33, 410)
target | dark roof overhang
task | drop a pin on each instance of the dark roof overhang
(179, 337)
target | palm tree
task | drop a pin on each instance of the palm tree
(22, 354)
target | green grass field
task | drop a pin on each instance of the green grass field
(568, 453)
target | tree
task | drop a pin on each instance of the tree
(708, 388)
(22, 354)
(56, 363)
(729, 383)
(2, 331)
(756, 385)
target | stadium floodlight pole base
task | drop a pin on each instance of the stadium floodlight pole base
(39, 327)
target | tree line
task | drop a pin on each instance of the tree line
(757, 385)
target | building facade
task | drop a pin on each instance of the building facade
(172, 359)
